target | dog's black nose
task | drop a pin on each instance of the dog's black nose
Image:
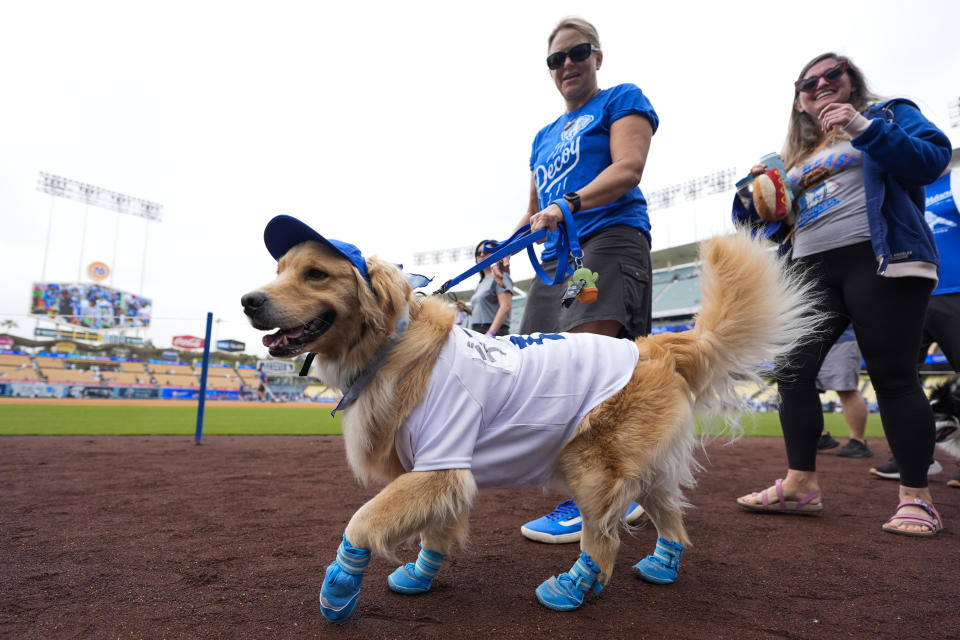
(253, 301)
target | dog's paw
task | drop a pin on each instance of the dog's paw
(406, 579)
(339, 593)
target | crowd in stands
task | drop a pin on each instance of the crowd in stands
(91, 306)
(246, 383)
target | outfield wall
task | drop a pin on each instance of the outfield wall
(44, 390)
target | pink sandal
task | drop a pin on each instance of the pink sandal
(799, 507)
(932, 520)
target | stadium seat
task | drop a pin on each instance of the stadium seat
(15, 360)
(18, 373)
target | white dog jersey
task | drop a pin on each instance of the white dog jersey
(504, 407)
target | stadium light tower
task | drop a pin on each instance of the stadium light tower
(92, 195)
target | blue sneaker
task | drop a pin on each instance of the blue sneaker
(564, 523)
(565, 592)
(341, 583)
(416, 577)
(662, 566)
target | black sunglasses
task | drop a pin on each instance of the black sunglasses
(806, 85)
(578, 53)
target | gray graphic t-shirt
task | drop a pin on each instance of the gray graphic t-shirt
(485, 301)
(832, 207)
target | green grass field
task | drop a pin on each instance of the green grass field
(53, 419)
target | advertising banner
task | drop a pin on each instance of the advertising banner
(139, 393)
(82, 391)
(194, 394)
(34, 390)
(77, 356)
(115, 339)
(68, 335)
(98, 271)
(188, 342)
(276, 366)
(231, 345)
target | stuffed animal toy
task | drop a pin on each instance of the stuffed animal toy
(772, 196)
(588, 294)
(582, 286)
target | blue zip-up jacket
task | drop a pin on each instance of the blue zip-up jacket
(902, 152)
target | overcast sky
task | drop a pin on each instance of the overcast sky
(398, 126)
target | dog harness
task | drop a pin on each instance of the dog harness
(504, 407)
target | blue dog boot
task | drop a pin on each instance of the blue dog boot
(416, 577)
(565, 592)
(341, 583)
(661, 567)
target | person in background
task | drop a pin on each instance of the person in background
(490, 305)
(262, 388)
(942, 322)
(858, 167)
(840, 373)
(588, 162)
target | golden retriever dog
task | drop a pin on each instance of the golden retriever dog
(433, 411)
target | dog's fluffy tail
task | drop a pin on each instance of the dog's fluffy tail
(755, 309)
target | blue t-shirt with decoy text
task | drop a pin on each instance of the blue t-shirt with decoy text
(574, 149)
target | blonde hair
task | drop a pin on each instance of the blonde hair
(579, 25)
(804, 135)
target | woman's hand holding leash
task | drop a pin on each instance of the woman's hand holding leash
(548, 217)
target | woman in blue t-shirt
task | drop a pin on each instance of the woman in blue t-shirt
(591, 159)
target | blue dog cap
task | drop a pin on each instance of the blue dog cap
(284, 232)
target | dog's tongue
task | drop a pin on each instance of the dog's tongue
(279, 338)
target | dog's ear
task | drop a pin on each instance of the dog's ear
(385, 297)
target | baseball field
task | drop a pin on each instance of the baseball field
(42, 416)
(114, 524)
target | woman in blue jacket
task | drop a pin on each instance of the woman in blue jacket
(857, 168)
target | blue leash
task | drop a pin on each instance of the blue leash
(569, 244)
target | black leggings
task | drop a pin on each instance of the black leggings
(943, 327)
(887, 315)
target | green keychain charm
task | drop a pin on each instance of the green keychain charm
(588, 294)
(583, 285)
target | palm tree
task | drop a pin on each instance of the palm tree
(8, 324)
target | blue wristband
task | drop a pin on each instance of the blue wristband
(572, 235)
(564, 207)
